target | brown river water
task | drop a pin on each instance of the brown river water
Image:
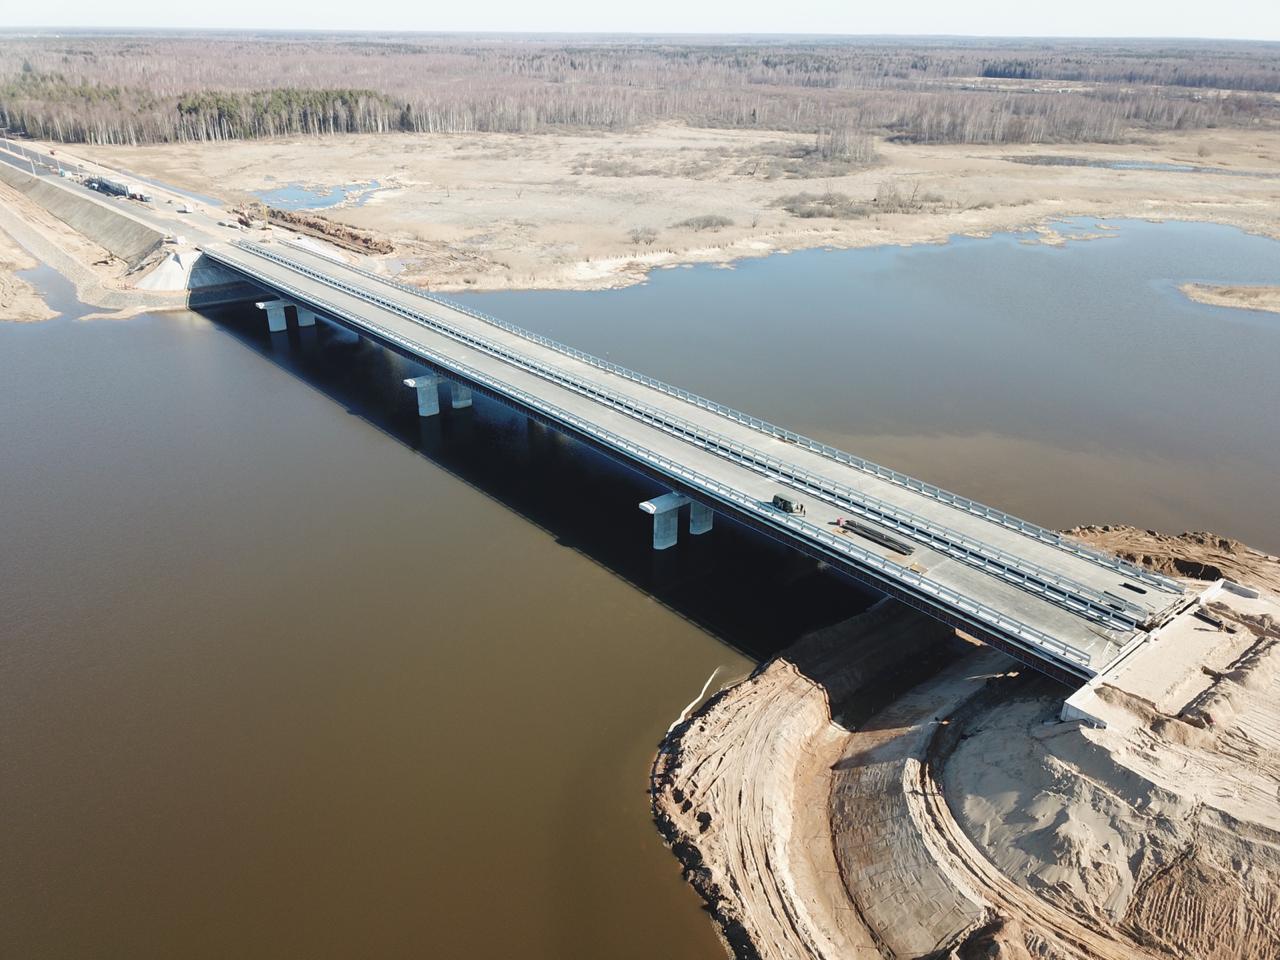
(286, 671)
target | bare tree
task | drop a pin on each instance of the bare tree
(157, 88)
(645, 235)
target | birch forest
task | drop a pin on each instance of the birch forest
(160, 87)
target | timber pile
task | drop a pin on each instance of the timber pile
(352, 238)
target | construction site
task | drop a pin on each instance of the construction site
(927, 797)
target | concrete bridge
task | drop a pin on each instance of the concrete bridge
(1056, 605)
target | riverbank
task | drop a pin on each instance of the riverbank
(817, 820)
(593, 211)
(19, 301)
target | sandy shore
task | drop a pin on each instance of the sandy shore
(964, 819)
(494, 211)
(1242, 297)
(19, 301)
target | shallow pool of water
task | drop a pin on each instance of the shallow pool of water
(296, 196)
(1159, 166)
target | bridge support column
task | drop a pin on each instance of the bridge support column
(460, 396)
(666, 518)
(428, 394)
(276, 320)
(306, 318)
(700, 518)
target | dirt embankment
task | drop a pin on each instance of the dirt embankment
(855, 798)
(739, 789)
(108, 225)
(164, 278)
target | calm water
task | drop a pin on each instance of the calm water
(295, 196)
(1068, 384)
(1057, 161)
(285, 671)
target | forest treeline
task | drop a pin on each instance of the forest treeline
(167, 87)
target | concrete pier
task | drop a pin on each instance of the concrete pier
(1053, 603)
(700, 518)
(306, 318)
(666, 518)
(276, 319)
(427, 386)
(460, 396)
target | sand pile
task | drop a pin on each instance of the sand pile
(1195, 555)
(1162, 828)
(1057, 814)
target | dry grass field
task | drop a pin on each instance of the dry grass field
(597, 209)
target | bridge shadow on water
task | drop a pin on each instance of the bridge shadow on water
(751, 592)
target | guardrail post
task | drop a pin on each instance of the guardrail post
(427, 386)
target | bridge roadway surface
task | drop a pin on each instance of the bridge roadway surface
(1054, 604)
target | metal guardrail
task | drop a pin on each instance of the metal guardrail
(1023, 635)
(1007, 520)
(1112, 612)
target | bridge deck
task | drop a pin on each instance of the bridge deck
(1058, 602)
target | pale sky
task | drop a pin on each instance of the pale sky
(1241, 19)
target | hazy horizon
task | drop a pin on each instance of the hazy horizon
(988, 19)
(133, 28)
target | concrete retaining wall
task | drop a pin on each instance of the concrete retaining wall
(111, 228)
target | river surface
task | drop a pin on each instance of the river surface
(286, 671)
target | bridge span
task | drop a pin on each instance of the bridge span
(1055, 604)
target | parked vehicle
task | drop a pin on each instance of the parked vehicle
(112, 188)
(787, 505)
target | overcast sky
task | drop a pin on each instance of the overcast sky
(1244, 19)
